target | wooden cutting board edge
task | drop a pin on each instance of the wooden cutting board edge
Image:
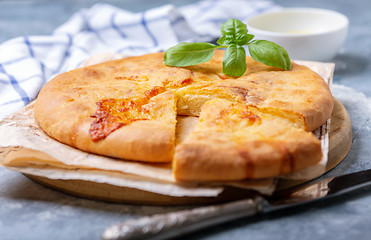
(339, 146)
(340, 141)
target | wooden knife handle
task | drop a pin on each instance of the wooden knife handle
(165, 226)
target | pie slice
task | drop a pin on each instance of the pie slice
(234, 141)
(98, 113)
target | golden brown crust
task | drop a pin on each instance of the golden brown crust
(150, 141)
(152, 94)
(64, 112)
(234, 142)
(258, 159)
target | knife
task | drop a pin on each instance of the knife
(173, 224)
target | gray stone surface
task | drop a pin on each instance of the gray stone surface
(31, 211)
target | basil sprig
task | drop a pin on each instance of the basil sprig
(234, 37)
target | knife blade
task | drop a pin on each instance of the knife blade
(173, 224)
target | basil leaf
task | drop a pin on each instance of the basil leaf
(245, 39)
(235, 32)
(234, 61)
(270, 54)
(233, 27)
(225, 40)
(187, 54)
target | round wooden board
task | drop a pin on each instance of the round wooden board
(340, 135)
(340, 142)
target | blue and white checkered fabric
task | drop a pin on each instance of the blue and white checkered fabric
(27, 63)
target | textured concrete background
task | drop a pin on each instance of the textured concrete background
(31, 211)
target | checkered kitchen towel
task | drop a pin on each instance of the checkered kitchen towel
(27, 63)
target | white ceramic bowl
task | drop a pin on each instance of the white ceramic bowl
(305, 33)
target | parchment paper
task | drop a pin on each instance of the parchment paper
(25, 148)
